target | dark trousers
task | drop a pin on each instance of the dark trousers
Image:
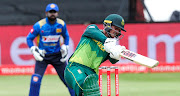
(54, 60)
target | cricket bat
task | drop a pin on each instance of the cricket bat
(139, 59)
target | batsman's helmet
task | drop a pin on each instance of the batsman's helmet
(52, 6)
(116, 20)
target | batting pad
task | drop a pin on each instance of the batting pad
(35, 85)
(90, 86)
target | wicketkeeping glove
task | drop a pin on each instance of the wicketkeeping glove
(64, 52)
(109, 43)
(37, 53)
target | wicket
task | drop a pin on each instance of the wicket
(109, 79)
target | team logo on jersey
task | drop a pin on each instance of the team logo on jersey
(79, 71)
(32, 30)
(35, 78)
(58, 30)
(51, 38)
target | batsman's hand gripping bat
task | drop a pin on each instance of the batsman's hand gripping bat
(139, 59)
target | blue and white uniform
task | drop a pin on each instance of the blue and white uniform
(48, 39)
(48, 35)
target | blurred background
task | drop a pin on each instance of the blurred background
(152, 30)
(20, 12)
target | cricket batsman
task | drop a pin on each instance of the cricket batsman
(48, 50)
(95, 47)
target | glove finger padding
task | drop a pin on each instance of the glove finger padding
(63, 59)
(37, 56)
(36, 53)
(42, 52)
(109, 43)
(121, 48)
(115, 51)
(64, 52)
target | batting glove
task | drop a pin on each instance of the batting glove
(109, 43)
(64, 52)
(115, 51)
(37, 53)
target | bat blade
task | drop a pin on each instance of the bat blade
(139, 59)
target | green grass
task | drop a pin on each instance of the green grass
(156, 84)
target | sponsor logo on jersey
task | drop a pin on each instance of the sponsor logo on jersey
(100, 45)
(35, 78)
(52, 44)
(32, 30)
(51, 38)
(58, 30)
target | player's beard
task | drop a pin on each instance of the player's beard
(52, 18)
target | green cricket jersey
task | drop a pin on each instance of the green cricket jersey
(90, 50)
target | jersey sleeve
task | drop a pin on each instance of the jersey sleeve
(92, 31)
(34, 32)
(65, 34)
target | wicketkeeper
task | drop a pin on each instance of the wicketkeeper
(48, 49)
(95, 47)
